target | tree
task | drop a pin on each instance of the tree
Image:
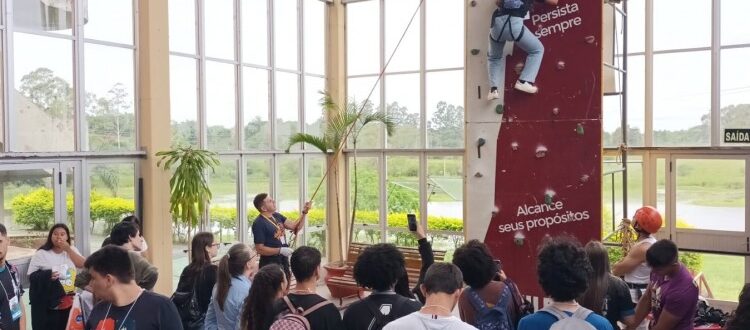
(446, 129)
(348, 121)
(49, 92)
(111, 120)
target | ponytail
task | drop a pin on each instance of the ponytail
(231, 264)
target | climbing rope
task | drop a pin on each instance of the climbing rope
(340, 148)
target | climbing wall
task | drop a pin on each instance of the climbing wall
(547, 157)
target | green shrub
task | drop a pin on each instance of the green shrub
(35, 209)
(110, 210)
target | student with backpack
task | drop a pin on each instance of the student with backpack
(488, 303)
(269, 284)
(606, 294)
(507, 25)
(442, 286)
(563, 269)
(378, 267)
(302, 308)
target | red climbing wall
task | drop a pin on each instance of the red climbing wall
(540, 192)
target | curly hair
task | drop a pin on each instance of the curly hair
(379, 266)
(741, 317)
(563, 268)
(476, 263)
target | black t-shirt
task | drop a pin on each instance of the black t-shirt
(264, 231)
(359, 316)
(151, 311)
(617, 303)
(12, 287)
(325, 318)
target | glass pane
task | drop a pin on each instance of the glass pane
(183, 92)
(445, 194)
(636, 26)
(182, 26)
(670, 34)
(611, 115)
(735, 90)
(397, 16)
(316, 218)
(661, 189)
(50, 16)
(220, 106)
(444, 34)
(367, 187)
(445, 111)
(44, 116)
(258, 172)
(255, 32)
(288, 198)
(362, 33)
(711, 194)
(403, 105)
(70, 201)
(402, 186)
(359, 89)
(681, 111)
(636, 100)
(287, 108)
(723, 275)
(285, 33)
(313, 112)
(223, 209)
(110, 98)
(734, 22)
(314, 37)
(112, 198)
(28, 205)
(255, 103)
(219, 26)
(109, 20)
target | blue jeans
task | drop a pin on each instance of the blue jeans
(503, 31)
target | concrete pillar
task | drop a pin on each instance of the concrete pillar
(154, 130)
(338, 223)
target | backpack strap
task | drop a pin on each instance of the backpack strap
(582, 313)
(379, 317)
(554, 311)
(289, 305)
(315, 307)
(476, 301)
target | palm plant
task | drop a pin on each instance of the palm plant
(343, 123)
(190, 194)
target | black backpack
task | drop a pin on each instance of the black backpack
(189, 308)
(380, 319)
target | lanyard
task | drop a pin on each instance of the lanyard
(122, 324)
(279, 230)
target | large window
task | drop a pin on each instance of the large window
(242, 83)
(418, 168)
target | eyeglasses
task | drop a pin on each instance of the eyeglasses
(215, 244)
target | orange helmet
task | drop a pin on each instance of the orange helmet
(648, 219)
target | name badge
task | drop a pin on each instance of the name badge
(15, 308)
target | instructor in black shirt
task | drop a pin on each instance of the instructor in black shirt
(269, 232)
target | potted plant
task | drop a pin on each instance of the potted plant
(188, 187)
(342, 123)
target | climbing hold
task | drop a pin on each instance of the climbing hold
(541, 151)
(579, 129)
(473, 3)
(560, 65)
(519, 67)
(474, 51)
(495, 210)
(514, 145)
(548, 195)
(499, 109)
(590, 39)
(478, 175)
(584, 178)
(555, 111)
(519, 238)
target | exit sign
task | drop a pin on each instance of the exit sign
(737, 135)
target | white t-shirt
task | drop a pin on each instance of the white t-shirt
(57, 262)
(419, 321)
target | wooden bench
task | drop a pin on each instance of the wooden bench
(344, 286)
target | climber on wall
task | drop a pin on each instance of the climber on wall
(507, 25)
(633, 268)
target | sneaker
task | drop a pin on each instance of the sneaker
(526, 87)
(493, 95)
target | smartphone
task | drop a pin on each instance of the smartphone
(411, 221)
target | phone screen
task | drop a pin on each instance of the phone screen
(411, 221)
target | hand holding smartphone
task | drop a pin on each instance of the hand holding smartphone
(411, 221)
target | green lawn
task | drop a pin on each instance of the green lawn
(725, 275)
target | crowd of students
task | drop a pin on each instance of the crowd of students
(648, 289)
